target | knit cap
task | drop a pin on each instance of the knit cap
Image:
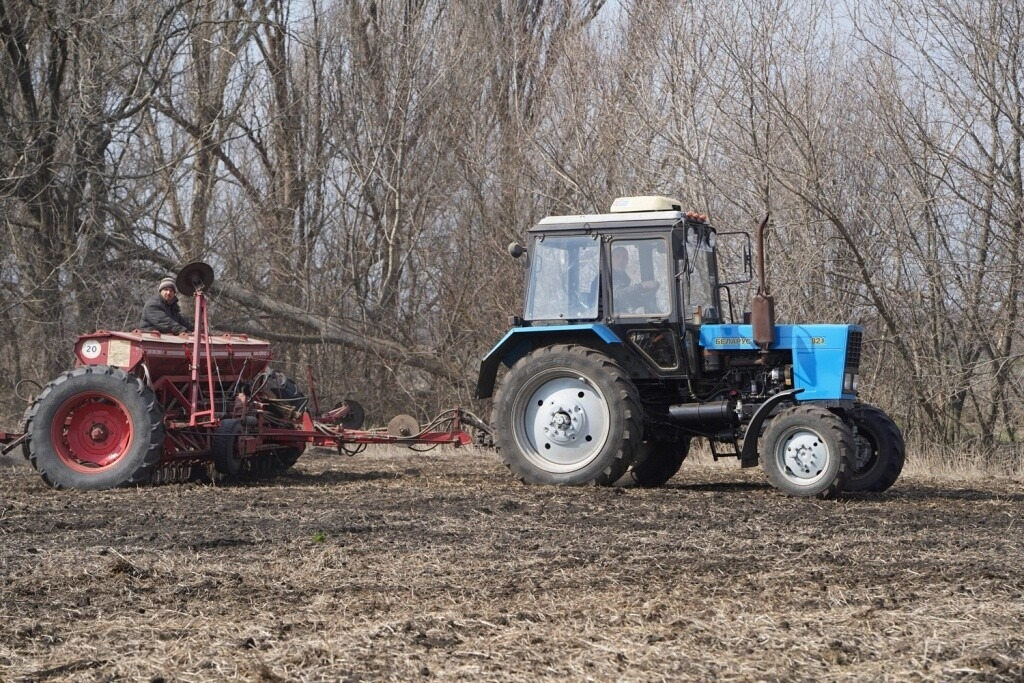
(167, 282)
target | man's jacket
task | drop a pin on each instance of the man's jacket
(163, 317)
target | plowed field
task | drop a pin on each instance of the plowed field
(395, 565)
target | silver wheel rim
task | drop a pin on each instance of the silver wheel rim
(802, 456)
(562, 421)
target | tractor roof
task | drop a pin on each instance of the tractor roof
(625, 211)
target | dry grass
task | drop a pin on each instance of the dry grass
(1005, 462)
(393, 565)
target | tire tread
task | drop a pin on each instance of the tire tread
(626, 393)
(147, 399)
(844, 438)
(891, 438)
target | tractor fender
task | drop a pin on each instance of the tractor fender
(748, 456)
(520, 341)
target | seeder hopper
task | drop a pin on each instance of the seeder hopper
(145, 407)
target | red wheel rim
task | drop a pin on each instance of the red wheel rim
(91, 432)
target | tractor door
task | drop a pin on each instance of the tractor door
(640, 278)
(698, 289)
(642, 299)
(701, 291)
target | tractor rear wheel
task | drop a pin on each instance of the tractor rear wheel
(568, 415)
(95, 427)
(658, 462)
(808, 451)
(881, 451)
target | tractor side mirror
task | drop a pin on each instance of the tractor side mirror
(516, 250)
(737, 251)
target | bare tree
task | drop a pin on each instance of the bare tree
(73, 79)
(355, 170)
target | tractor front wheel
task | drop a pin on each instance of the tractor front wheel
(95, 427)
(568, 415)
(881, 451)
(808, 451)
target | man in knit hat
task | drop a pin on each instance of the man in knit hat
(162, 313)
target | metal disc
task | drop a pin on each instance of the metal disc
(356, 415)
(193, 277)
(403, 426)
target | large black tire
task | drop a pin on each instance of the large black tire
(223, 446)
(567, 415)
(659, 461)
(356, 414)
(284, 458)
(95, 427)
(880, 453)
(808, 451)
(286, 389)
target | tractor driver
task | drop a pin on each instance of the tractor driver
(625, 294)
(162, 312)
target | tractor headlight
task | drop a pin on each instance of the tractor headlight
(850, 382)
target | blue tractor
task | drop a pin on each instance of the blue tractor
(624, 354)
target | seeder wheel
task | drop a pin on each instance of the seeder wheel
(224, 445)
(95, 427)
(284, 458)
(292, 404)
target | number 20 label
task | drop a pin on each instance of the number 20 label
(91, 349)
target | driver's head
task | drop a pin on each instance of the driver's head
(168, 290)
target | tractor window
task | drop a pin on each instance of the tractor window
(563, 278)
(701, 285)
(640, 278)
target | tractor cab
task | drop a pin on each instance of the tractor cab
(646, 273)
(645, 261)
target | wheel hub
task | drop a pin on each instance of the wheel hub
(98, 433)
(567, 423)
(865, 454)
(805, 455)
(92, 431)
(564, 422)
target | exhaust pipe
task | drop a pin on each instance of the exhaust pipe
(762, 308)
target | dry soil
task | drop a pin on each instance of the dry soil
(406, 566)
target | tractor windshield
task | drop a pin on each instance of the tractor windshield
(563, 278)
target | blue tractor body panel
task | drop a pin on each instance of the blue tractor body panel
(822, 354)
(519, 341)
